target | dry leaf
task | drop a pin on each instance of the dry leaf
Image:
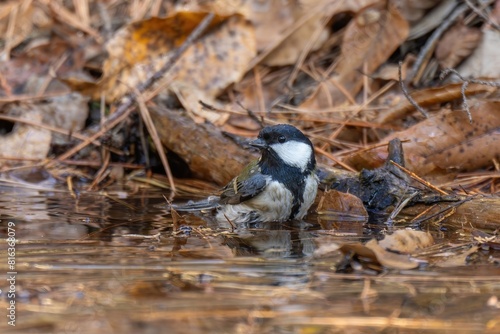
(372, 252)
(445, 141)
(371, 37)
(407, 241)
(66, 112)
(190, 98)
(369, 40)
(483, 63)
(263, 16)
(32, 72)
(390, 71)
(211, 64)
(26, 141)
(384, 252)
(457, 260)
(292, 46)
(336, 204)
(389, 259)
(457, 44)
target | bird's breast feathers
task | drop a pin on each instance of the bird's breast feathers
(274, 203)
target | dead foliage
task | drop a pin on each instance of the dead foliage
(324, 66)
(103, 88)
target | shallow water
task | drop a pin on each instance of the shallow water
(112, 263)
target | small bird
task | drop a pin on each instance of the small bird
(281, 185)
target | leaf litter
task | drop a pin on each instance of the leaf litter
(315, 64)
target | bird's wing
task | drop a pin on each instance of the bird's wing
(249, 184)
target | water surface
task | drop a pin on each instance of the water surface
(112, 262)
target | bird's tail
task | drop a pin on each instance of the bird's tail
(209, 203)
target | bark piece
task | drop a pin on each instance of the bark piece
(209, 155)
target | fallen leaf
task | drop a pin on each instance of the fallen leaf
(26, 141)
(483, 63)
(211, 64)
(373, 254)
(385, 251)
(446, 141)
(360, 250)
(457, 260)
(390, 259)
(369, 40)
(407, 241)
(66, 112)
(457, 44)
(190, 98)
(341, 206)
(292, 46)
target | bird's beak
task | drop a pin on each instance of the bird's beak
(259, 143)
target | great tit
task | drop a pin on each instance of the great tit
(281, 185)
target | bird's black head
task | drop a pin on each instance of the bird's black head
(286, 144)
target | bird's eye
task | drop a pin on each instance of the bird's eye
(282, 139)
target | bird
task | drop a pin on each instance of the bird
(280, 185)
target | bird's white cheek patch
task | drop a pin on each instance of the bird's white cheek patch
(294, 153)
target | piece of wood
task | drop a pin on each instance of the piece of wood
(209, 154)
(479, 212)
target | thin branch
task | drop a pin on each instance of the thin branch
(64, 132)
(431, 43)
(479, 12)
(251, 114)
(419, 179)
(400, 206)
(465, 84)
(146, 117)
(407, 95)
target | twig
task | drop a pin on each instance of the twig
(56, 130)
(68, 17)
(419, 179)
(126, 107)
(69, 182)
(307, 49)
(258, 90)
(423, 213)
(358, 109)
(400, 206)
(407, 95)
(251, 114)
(480, 13)
(336, 160)
(465, 84)
(449, 207)
(146, 117)
(429, 46)
(233, 227)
